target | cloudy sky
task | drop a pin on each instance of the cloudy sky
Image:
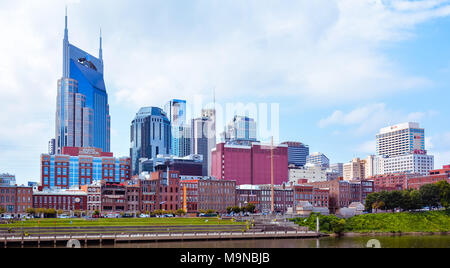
(339, 69)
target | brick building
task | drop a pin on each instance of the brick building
(434, 177)
(317, 197)
(133, 193)
(15, 200)
(66, 200)
(397, 181)
(94, 197)
(205, 193)
(343, 193)
(114, 198)
(82, 166)
(164, 189)
(250, 164)
(261, 197)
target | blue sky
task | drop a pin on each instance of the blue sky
(340, 69)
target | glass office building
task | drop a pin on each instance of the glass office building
(150, 136)
(82, 114)
(181, 131)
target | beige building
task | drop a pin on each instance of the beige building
(356, 169)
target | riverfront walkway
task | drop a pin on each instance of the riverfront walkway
(137, 238)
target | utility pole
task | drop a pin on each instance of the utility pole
(271, 175)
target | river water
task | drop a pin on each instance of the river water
(407, 241)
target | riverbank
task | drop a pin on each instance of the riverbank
(384, 223)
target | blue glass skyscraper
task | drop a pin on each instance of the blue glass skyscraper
(82, 114)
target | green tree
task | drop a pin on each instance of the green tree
(211, 211)
(416, 199)
(251, 208)
(50, 213)
(180, 212)
(430, 195)
(338, 226)
(371, 200)
(444, 193)
(31, 211)
(96, 213)
(394, 200)
(237, 209)
(2, 210)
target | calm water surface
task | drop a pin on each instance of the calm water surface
(435, 241)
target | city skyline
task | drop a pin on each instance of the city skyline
(386, 83)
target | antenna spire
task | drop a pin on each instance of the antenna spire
(101, 48)
(66, 31)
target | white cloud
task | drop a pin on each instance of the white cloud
(317, 51)
(439, 146)
(370, 118)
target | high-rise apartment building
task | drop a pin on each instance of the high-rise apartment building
(150, 136)
(204, 138)
(82, 110)
(297, 153)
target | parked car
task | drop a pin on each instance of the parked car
(7, 217)
(144, 216)
(63, 216)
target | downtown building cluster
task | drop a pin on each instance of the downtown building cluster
(176, 163)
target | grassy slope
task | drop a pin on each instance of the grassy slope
(435, 221)
(121, 222)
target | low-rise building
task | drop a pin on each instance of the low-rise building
(317, 197)
(16, 200)
(343, 193)
(261, 197)
(207, 193)
(94, 197)
(60, 199)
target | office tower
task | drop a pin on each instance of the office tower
(355, 170)
(176, 111)
(7, 180)
(82, 112)
(370, 166)
(52, 147)
(181, 131)
(204, 138)
(241, 130)
(318, 159)
(297, 153)
(150, 136)
(400, 139)
(338, 168)
(401, 149)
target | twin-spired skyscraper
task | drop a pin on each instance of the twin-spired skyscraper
(82, 111)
